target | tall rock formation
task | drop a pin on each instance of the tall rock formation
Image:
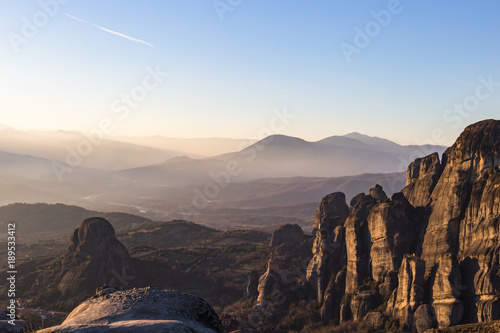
(358, 242)
(429, 256)
(476, 151)
(290, 248)
(392, 231)
(408, 296)
(479, 248)
(461, 248)
(447, 290)
(329, 255)
(287, 234)
(421, 178)
(94, 258)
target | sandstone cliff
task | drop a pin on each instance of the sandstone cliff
(434, 247)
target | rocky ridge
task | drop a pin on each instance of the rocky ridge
(429, 255)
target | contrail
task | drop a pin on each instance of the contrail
(111, 31)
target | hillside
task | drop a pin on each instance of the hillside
(38, 222)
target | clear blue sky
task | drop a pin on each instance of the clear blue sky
(227, 76)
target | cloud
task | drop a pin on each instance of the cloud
(111, 31)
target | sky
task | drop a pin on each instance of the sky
(410, 71)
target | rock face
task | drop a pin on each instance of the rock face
(425, 318)
(463, 219)
(475, 152)
(480, 248)
(329, 255)
(332, 212)
(378, 193)
(94, 258)
(429, 256)
(441, 234)
(289, 248)
(269, 283)
(421, 178)
(408, 296)
(392, 232)
(358, 242)
(252, 285)
(447, 289)
(287, 234)
(141, 310)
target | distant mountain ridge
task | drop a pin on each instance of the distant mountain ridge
(286, 156)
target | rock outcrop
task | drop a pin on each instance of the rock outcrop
(329, 255)
(429, 256)
(358, 241)
(462, 222)
(480, 249)
(392, 232)
(94, 258)
(252, 289)
(289, 247)
(287, 234)
(378, 193)
(141, 310)
(460, 228)
(408, 296)
(421, 178)
(425, 318)
(447, 290)
(269, 283)
(476, 151)
(332, 212)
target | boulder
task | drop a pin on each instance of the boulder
(141, 310)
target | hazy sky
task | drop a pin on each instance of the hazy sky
(394, 69)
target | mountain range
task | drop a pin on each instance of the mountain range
(423, 258)
(159, 177)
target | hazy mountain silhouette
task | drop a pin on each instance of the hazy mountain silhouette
(194, 148)
(285, 156)
(105, 153)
